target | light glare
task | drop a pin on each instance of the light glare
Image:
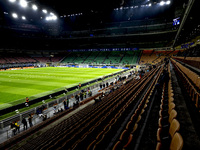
(14, 15)
(162, 3)
(23, 18)
(23, 3)
(12, 1)
(44, 11)
(34, 7)
(168, 2)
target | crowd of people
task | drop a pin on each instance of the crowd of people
(15, 126)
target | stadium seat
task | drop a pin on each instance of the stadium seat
(177, 142)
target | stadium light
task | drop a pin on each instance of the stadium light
(12, 1)
(34, 7)
(168, 2)
(50, 18)
(149, 4)
(14, 15)
(23, 3)
(44, 11)
(51, 13)
(162, 3)
(23, 18)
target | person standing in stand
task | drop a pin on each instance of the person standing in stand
(24, 123)
(27, 101)
(30, 120)
(13, 128)
(79, 86)
(65, 104)
(17, 126)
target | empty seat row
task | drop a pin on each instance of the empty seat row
(191, 82)
(168, 136)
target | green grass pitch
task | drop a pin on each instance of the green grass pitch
(15, 85)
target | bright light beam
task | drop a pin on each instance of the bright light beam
(168, 2)
(34, 7)
(23, 3)
(44, 11)
(14, 15)
(12, 1)
(162, 3)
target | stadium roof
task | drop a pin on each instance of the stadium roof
(25, 20)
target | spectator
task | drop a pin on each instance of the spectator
(30, 120)
(13, 128)
(106, 84)
(81, 96)
(24, 123)
(77, 98)
(17, 126)
(84, 94)
(79, 86)
(44, 117)
(65, 104)
(100, 86)
(27, 102)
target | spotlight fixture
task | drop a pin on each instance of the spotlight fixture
(14, 15)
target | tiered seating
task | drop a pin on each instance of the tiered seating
(69, 58)
(130, 57)
(25, 59)
(2, 60)
(106, 116)
(191, 82)
(101, 57)
(193, 61)
(147, 57)
(11, 60)
(150, 56)
(56, 58)
(42, 59)
(81, 56)
(45, 59)
(128, 138)
(168, 125)
(114, 57)
(16, 59)
(91, 57)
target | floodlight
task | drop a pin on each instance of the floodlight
(14, 15)
(12, 1)
(168, 2)
(54, 17)
(34, 7)
(149, 4)
(23, 3)
(44, 11)
(162, 3)
(23, 18)
(49, 18)
(51, 13)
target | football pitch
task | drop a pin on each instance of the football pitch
(16, 85)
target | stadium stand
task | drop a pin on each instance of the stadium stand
(92, 56)
(157, 106)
